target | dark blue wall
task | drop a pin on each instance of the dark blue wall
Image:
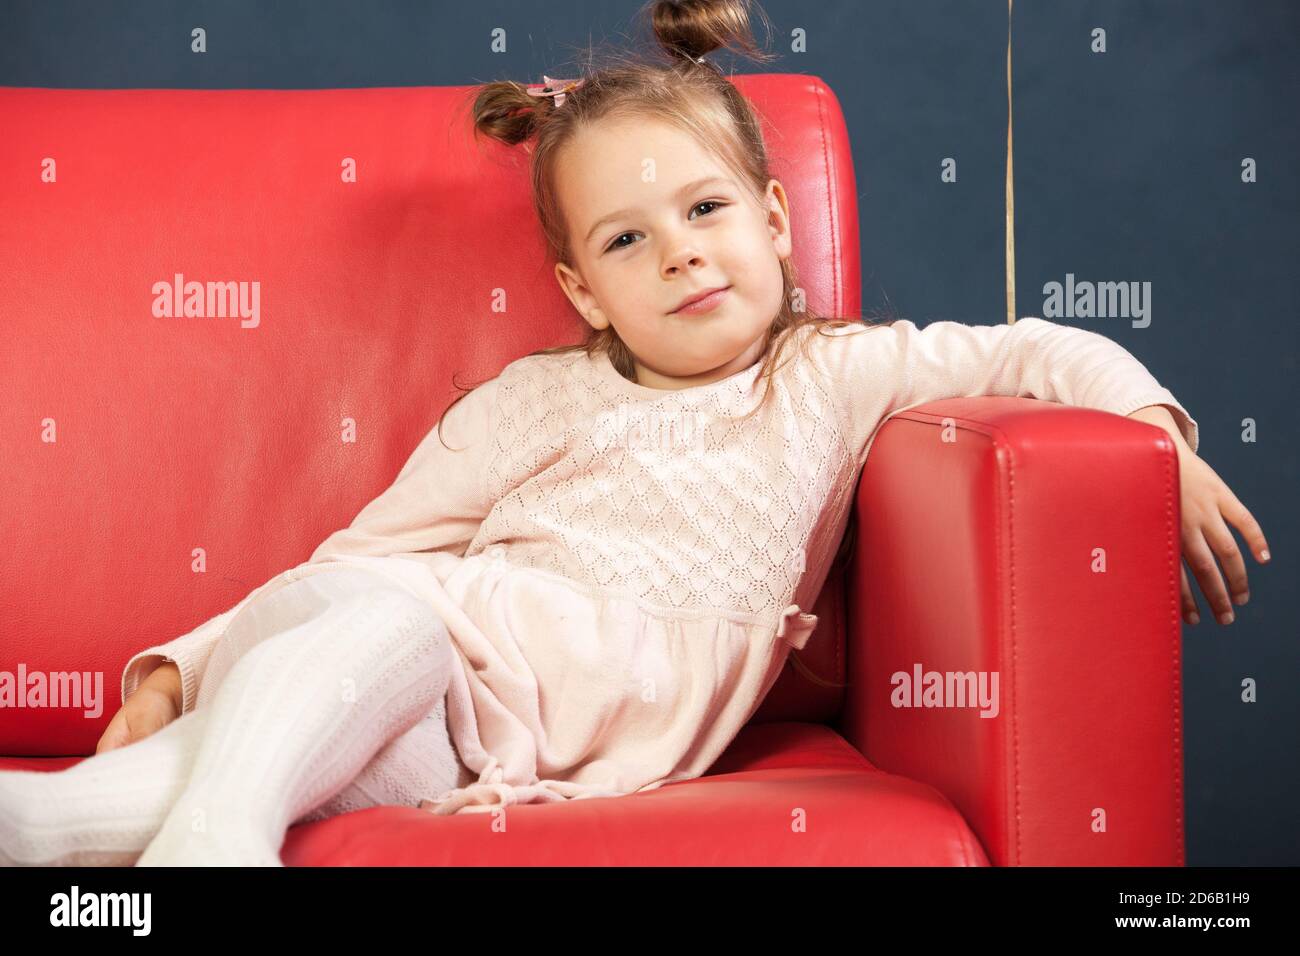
(1128, 168)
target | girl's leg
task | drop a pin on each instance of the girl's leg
(421, 763)
(300, 715)
(104, 810)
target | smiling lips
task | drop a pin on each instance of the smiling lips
(704, 301)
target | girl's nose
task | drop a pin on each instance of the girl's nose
(686, 257)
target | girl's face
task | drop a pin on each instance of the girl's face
(648, 233)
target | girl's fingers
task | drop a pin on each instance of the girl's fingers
(1224, 545)
(1190, 614)
(107, 742)
(1245, 522)
(114, 736)
(1206, 571)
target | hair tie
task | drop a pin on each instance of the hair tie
(709, 65)
(556, 89)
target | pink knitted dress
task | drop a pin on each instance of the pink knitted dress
(624, 569)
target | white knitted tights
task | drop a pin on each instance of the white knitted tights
(325, 696)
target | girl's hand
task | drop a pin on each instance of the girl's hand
(155, 703)
(1206, 503)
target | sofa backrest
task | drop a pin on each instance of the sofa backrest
(366, 231)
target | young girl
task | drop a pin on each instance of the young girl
(605, 578)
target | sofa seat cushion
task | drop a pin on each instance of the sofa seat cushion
(783, 794)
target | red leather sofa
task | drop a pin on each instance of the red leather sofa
(378, 232)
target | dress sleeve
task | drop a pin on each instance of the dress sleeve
(890, 368)
(436, 503)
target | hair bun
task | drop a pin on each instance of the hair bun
(689, 29)
(506, 111)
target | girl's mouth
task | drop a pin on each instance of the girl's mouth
(706, 304)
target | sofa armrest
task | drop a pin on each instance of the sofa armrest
(1037, 544)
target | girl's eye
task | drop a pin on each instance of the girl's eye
(617, 245)
(708, 202)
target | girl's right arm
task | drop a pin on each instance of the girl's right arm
(436, 503)
(188, 653)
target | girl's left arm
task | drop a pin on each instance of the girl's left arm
(886, 369)
(1207, 504)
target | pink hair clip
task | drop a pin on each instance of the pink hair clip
(556, 88)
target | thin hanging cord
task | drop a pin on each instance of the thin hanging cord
(1011, 194)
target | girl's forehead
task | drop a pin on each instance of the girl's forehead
(641, 167)
(635, 138)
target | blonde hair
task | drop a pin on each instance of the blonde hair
(684, 90)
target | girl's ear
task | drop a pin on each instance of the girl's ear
(778, 218)
(577, 292)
